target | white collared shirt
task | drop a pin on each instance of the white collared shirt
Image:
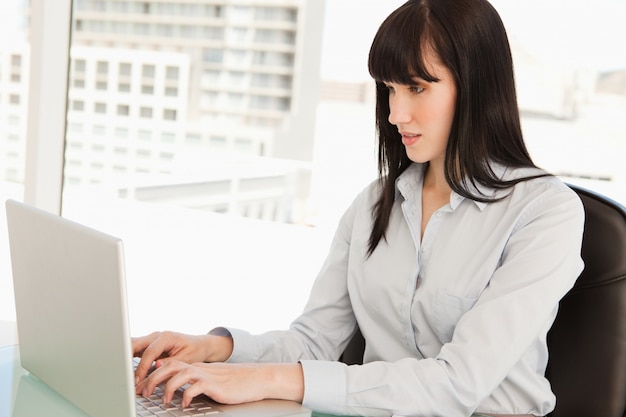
(455, 322)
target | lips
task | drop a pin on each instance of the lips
(409, 139)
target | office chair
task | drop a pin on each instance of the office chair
(587, 343)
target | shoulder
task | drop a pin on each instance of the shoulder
(542, 193)
(538, 182)
(367, 197)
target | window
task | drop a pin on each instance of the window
(148, 71)
(209, 99)
(78, 105)
(164, 30)
(14, 93)
(213, 33)
(215, 56)
(121, 132)
(283, 62)
(123, 110)
(16, 61)
(102, 67)
(145, 112)
(99, 130)
(79, 65)
(193, 138)
(171, 73)
(237, 78)
(565, 90)
(239, 34)
(169, 114)
(13, 120)
(235, 99)
(166, 156)
(100, 108)
(144, 153)
(76, 128)
(210, 77)
(168, 137)
(125, 69)
(141, 29)
(144, 135)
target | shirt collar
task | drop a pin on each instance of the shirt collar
(413, 177)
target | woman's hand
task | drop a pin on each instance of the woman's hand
(161, 347)
(227, 383)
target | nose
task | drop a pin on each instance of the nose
(399, 109)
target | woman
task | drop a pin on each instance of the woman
(452, 264)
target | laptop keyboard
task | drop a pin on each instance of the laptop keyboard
(153, 406)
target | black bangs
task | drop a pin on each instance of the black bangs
(397, 51)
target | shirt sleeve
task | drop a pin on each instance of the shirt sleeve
(540, 263)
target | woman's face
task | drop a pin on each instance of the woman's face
(423, 112)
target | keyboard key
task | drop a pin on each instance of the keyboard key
(153, 406)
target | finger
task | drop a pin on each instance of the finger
(164, 373)
(150, 354)
(139, 344)
(140, 386)
(200, 386)
(141, 372)
(186, 375)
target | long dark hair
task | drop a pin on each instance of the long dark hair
(469, 39)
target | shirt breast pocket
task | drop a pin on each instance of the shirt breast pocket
(449, 309)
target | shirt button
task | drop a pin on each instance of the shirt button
(439, 214)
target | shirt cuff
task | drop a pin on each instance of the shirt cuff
(245, 346)
(220, 331)
(324, 386)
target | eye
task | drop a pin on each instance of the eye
(390, 88)
(416, 89)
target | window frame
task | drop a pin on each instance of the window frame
(47, 103)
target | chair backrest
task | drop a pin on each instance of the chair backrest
(587, 343)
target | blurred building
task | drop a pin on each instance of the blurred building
(253, 65)
(14, 67)
(207, 104)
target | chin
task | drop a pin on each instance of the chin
(417, 157)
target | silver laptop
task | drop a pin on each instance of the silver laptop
(72, 317)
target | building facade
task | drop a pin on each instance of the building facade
(210, 103)
(253, 64)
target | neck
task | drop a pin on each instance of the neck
(435, 178)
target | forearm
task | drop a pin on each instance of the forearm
(284, 381)
(220, 348)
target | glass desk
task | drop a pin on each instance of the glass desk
(22, 395)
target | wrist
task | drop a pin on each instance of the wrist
(285, 381)
(219, 345)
